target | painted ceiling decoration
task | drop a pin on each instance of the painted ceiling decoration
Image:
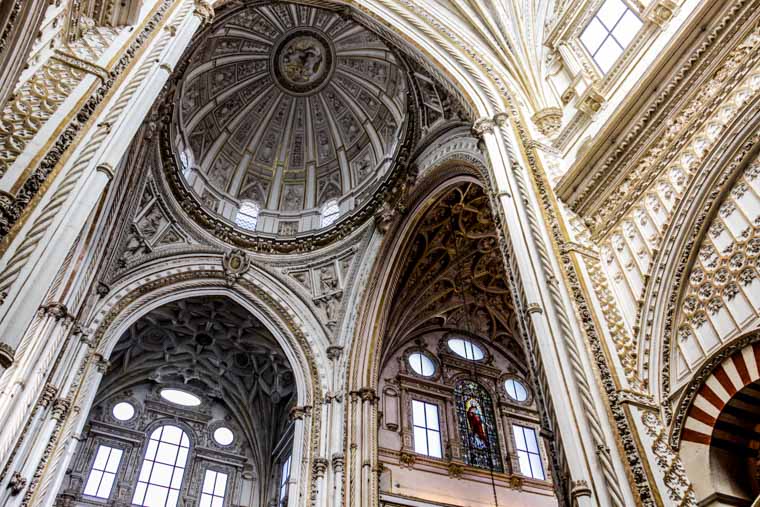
(213, 346)
(289, 106)
(454, 276)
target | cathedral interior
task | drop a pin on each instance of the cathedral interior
(379, 253)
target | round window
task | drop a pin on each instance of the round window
(123, 411)
(180, 397)
(421, 364)
(516, 389)
(224, 436)
(466, 349)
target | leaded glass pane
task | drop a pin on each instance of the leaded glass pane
(477, 426)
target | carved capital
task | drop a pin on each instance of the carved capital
(61, 408)
(338, 462)
(204, 10)
(368, 394)
(7, 354)
(57, 310)
(320, 467)
(661, 12)
(501, 118)
(591, 102)
(455, 470)
(407, 459)
(49, 393)
(334, 352)
(17, 483)
(548, 121)
(298, 413)
(483, 126)
(579, 488)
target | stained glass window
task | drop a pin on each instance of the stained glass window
(477, 426)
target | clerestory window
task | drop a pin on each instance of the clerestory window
(427, 429)
(248, 215)
(609, 32)
(527, 452)
(330, 212)
(103, 472)
(214, 489)
(163, 467)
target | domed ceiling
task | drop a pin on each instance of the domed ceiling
(291, 107)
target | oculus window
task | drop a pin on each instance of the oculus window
(123, 411)
(330, 213)
(160, 478)
(466, 349)
(609, 32)
(248, 215)
(515, 389)
(179, 397)
(223, 436)
(421, 364)
(527, 452)
(427, 430)
(214, 487)
(103, 472)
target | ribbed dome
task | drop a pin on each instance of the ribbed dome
(289, 107)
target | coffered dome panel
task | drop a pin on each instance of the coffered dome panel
(292, 108)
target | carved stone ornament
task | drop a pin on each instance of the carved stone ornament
(17, 483)
(548, 121)
(60, 409)
(236, 263)
(204, 10)
(337, 462)
(455, 470)
(516, 482)
(299, 413)
(320, 467)
(7, 353)
(407, 459)
(591, 102)
(483, 126)
(661, 11)
(579, 488)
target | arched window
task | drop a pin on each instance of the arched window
(248, 215)
(330, 212)
(163, 467)
(477, 426)
(284, 478)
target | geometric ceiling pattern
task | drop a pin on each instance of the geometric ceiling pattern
(288, 106)
(218, 347)
(453, 277)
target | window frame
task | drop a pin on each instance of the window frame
(113, 446)
(407, 358)
(474, 344)
(284, 483)
(248, 216)
(427, 430)
(188, 460)
(536, 435)
(201, 493)
(323, 215)
(609, 34)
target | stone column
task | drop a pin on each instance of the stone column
(581, 425)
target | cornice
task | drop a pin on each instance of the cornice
(638, 122)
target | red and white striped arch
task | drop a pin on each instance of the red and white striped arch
(730, 376)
